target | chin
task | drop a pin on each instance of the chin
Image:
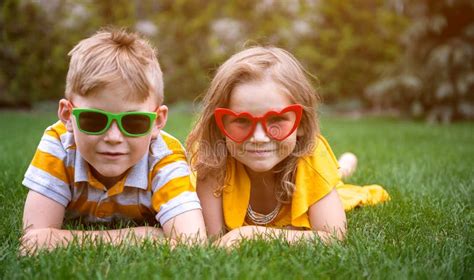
(260, 168)
(111, 172)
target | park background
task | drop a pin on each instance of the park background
(397, 82)
(411, 58)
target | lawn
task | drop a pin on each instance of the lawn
(424, 232)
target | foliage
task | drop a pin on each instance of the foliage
(343, 43)
(435, 77)
(183, 46)
(36, 39)
(30, 46)
(346, 45)
(352, 43)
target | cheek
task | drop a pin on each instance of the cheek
(140, 144)
(83, 141)
(288, 145)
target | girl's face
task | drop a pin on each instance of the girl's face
(260, 153)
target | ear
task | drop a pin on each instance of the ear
(65, 113)
(161, 118)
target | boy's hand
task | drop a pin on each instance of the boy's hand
(43, 238)
(147, 232)
(50, 238)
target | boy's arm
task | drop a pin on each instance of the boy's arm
(174, 197)
(211, 206)
(327, 218)
(41, 212)
(43, 218)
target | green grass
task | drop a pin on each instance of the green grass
(424, 232)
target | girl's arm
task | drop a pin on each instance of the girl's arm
(43, 218)
(187, 227)
(327, 218)
(211, 206)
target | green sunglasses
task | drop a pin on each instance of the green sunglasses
(97, 122)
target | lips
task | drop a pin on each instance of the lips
(112, 155)
(260, 151)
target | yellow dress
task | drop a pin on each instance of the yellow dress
(316, 176)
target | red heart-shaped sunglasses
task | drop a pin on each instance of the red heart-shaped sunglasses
(278, 125)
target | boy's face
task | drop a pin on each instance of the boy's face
(112, 153)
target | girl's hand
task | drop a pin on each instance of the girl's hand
(235, 236)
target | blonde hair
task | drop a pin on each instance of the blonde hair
(112, 55)
(206, 144)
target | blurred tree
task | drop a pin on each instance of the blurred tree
(28, 47)
(435, 77)
(345, 44)
(350, 44)
(116, 13)
(183, 46)
(36, 38)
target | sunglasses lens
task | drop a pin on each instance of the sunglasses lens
(238, 128)
(136, 124)
(279, 126)
(92, 121)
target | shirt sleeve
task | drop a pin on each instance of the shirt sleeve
(173, 193)
(47, 173)
(316, 176)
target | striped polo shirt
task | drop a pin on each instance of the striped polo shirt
(156, 189)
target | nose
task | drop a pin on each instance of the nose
(259, 134)
(113, 134)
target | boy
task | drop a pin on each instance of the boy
(107, 160)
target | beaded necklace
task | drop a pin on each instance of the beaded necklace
(261, 219)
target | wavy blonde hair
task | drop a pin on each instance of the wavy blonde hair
(111, 55)
(206, 144)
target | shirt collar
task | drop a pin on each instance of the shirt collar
(138, 175)
(80, 168)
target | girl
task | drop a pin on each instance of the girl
(261, 164)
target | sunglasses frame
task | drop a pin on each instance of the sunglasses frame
(219, 113)
(118, 119)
